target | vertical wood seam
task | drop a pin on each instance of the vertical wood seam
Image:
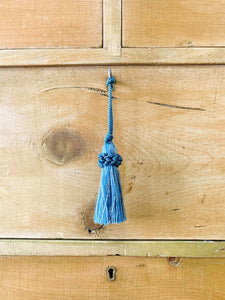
(112, 27)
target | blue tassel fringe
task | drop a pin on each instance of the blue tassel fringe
(109, 205)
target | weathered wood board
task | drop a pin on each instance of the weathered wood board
(84, 278)
(101, 56)
(50, 24)
(174, 23)
(169, 129)
(88, 247)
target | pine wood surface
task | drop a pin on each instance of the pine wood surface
(101, 56)
(65, 278)
(133, 248)
(112, 27)
(168, 128)
(174, 23)
(50, 24)
(169, 124)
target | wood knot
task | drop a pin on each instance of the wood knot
(64, 144)
(88, 219)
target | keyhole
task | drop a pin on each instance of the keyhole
(111, 273)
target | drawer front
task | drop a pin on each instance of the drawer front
(169, 129)
(50, 24)
(185, 23)
(79, 278)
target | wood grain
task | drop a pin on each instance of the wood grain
(174, 23)
(112, 27)
(168, 128)
(129, 56)
(50, 24)
(84, 278)
(126, 248)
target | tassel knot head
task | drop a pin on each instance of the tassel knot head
(109, 159)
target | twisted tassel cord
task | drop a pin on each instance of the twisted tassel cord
(109, 135)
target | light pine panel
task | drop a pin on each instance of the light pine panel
(112, 28)
(84, 278)
(174, 23)
(169, 129)
(50, 24)
(129, 56)
(141, 248)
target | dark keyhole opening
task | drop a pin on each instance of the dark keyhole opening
(111, 273)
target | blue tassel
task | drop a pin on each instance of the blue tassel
(109, 207)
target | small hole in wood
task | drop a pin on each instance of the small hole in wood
(111, 273)
(174, 261)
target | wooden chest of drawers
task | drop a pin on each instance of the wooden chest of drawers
(168, 60)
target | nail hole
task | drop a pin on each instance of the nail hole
(111, 273)
(174, 261)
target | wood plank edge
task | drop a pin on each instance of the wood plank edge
(129, 56)
(112, 27)
(171, 248)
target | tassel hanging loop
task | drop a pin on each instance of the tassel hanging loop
(109, 207)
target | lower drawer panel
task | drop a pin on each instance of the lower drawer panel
(86, 278)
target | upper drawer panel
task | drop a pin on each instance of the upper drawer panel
(174, 23)
(50, 24)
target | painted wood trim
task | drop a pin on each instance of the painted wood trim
(129, 56)
(112, 28)
(111, 247)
